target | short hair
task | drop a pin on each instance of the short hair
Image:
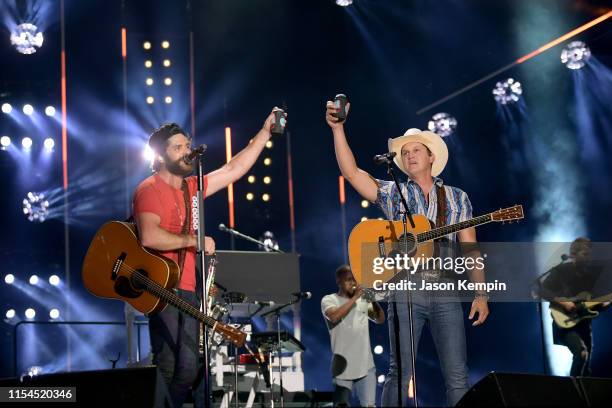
(341, 270)
(159, 138)
(578, 244)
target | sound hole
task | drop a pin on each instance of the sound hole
(406, 244)
(124, 288)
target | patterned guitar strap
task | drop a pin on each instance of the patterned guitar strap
(185, 230)
(441, 216)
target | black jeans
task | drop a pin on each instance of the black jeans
(579, 340)
(175, 347)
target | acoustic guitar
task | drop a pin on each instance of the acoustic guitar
(372, 239)
(118, 267)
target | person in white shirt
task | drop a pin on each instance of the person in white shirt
(346, 315)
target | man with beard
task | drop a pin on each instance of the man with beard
(346, 315)
(163, 207)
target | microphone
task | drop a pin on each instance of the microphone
(195, 152)
(264, 303)
(222, 227)
(384, 158)
(302, 295)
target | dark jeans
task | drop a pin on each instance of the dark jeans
(174, 345)
(579, 340)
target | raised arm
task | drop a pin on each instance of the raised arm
(241, 162)
(359, 179)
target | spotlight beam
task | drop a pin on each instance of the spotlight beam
(520, 60)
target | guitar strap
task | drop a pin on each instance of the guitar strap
(441, 216)
(185, 230)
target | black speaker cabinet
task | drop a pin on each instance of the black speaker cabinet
(523, 390)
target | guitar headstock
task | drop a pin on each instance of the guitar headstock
(237, 337)
(514, 213)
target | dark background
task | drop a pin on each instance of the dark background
(390, 57)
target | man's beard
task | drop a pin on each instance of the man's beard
(179, 167)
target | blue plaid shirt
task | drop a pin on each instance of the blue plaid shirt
(458, 206)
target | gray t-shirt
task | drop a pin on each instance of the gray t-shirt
(350, 339)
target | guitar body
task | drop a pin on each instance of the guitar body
(116, 243)
(363, 246)
(567, 320)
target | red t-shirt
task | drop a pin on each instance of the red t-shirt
(155, 196)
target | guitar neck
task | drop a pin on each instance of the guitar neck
(449, 229)
(171, 298)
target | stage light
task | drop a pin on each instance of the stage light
(265, 197)
(267, 161)
(30, 313)
(26, 38)
(168, 81)
(148, 64)
(365, 203)
(35, 207)
(148, 153)
(49, 144)
(165, 44)
(269, 242)
(149, 81)
(508, 91)
(5, 141)
(9, 278)
(267, 180)
(381, 379)
(54, 280)
(10, 313)
(344, 3)
(443, 124)
(251, 179)
(146, 45)
(167, 63)
(34, 371)
(7, 108)
(50, 111)
(33, 280)
(28, 109)
(269, 144)
(54, 313)
(150, 100)
(575, 55)
(26, 143)
(168, 99)
(249, 196)
(364, 219)
(378, 349)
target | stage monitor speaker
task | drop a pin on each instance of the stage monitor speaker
(130, 387)
(523, 390)
(597, 391)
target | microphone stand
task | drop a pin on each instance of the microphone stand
(202, 272)
(277, 312)
(537, 294)
(406, 216)
(238, 234)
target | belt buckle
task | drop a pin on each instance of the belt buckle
(431, 275)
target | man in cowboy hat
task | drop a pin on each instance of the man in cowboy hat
(421, 155)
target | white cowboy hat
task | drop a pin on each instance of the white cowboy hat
(430, 139)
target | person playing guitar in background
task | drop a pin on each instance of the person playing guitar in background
(574, 280)
(346, 315)
(163, 211)
(422, 156)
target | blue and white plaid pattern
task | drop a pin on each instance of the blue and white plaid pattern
(458, 204)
